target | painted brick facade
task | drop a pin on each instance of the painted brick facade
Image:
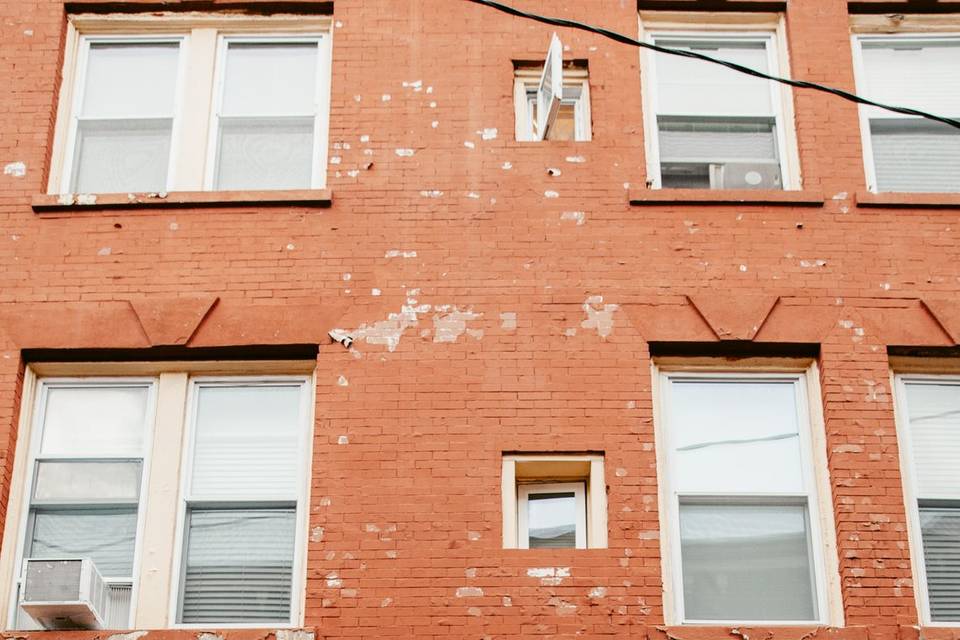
(486, 306)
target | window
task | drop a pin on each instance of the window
(573, 118)
(188, 105)
(554, 502)
(910, 153)
(709, 127)
(738, 489)
(102, 477)
(929, 423)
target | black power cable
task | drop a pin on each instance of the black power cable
(802, 84)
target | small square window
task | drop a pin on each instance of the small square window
(554, 502)
(573, 118)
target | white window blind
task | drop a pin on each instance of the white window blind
(933, 416)
(267, 115)
(125, 117)
(909, 153)
(244, 495)
(739, 481)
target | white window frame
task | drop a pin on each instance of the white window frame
(908, 476)
(532, 472)
(823, 554)
(201, 39)
(859, 72)
(525, 81)
(524, 491)
(298, 584)
(733, 27)
(35, 437)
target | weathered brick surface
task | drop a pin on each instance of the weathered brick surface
(481, 298)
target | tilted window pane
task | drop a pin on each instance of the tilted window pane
(130, 80)
(940, 529)
(552, 520)
(248, 440)
(688, 86)
(268, 79)
(736, 435)
(87, 481)
(933, 412)
(118, 156)
(746, 562)
(921, 74)
(265, 153)
(107, 536)
(94, 421)
(239, 565)
(913, 154)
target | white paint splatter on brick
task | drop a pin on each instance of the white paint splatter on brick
(508, 320)
(576, 159)
(105, 251)
(343, 440)
(386, 97)
(579, 216)
(132, 635)
(435, 124)
(343, 382)
(475, 611)
(597, 593)
(551, 194)
(599, 315)
(473, 536)
(385, 602)
(469, 145)
(397, 253)
(470, 572)
(489, 134)
(413, 84)
(553, 171)
(335, 160)
(333, 580)
(433, 105)
(473, 195)
(364, 138)
(15, 169)
(469, 592)
(404, 153)
(450, 326)
(434, 193)
(316, 534)
(807, 264)
(506, 166)
(375, 292)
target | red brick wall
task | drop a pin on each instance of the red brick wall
(409, 503)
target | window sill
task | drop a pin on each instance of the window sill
(644, 197)
(181, 200)
(890, 200)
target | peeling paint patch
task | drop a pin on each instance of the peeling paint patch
(475, 612)
(335, 160)
(316, 534)
(397, 253)
(551, 194)
(209, 636)
(579, 216)
(343, 440)
(290, 634)
(807, 264)
(470, 572)
(133, 635)
(469, 145)
(416, 85)
(343, 382)
(105, 251)
(469, 592)
(489, 134)
(333, 580)
(434, 193)
(15, 169)
(549, 576)
(473, 195)
(434, 124)
(375, 292)
(386, 97)
(563, 607)
(506, 166)
(597, 593)
(599, 315)
(433, 105)
(385, 602)
(448, 327)
(473, 536)
(364, 138)
(404, 153)
(576, 159)
(508, 320)
(507, 601)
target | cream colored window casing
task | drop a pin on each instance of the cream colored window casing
(709, 127)
(192, 102)
(904, 153)
(746, 532)
(928, 427)
(554, 501)
(164, 477)
(572, 121)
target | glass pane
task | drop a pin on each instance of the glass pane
(120, 156)
(913, 73)
(933, 411)
(737, 435)
(271, 153)
(940, 529)
(239, 565)
(95, 421)
(87, 481)
(915, 155)
(746, 562)
(108, 536)
(717, 140)
(688, 86)
(269, 79)
(247, 441)
(552, 520)
(130, 80)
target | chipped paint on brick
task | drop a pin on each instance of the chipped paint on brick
(294, 634)
(599, 315)
(15, 169)
(431, 193)
(597, 593)
(333, 580)
(508, 320)
(404, 152)
(469, 592)
(447, 327)
(316, 534)
(489, 133)
(578, 216)
(132, 635)
(397, 253)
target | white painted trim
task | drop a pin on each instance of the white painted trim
(579, 493)
(508, 502)
(669, 499)
(597, 506)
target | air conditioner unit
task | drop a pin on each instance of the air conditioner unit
(750, 175)
(64, 593)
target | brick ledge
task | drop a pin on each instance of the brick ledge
(645, 197)
(908, 200)
(181, 199)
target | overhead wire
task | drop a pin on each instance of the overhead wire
(624, 39)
